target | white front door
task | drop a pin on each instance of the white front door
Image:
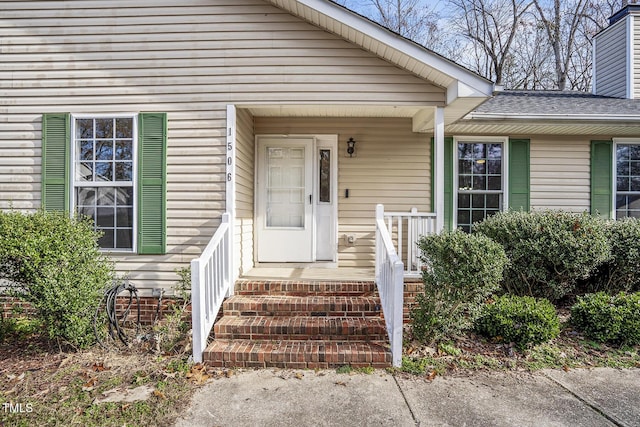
(285, 200)
(296, 199)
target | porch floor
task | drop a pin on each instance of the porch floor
(310, 273)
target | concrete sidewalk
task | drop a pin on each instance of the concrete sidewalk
(271, 397)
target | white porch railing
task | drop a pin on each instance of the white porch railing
(390, 283)
(211, 281)
(408, 227)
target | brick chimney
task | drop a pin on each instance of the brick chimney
(616, 54)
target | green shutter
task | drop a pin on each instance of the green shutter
(602, 178)
(152, 152)
(519, 167)
(449, 150)
(55, 161)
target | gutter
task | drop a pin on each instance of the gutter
(553, 117)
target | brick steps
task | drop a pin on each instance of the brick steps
(296, 354)
(300, 328)
(314, 305)
(300, 325)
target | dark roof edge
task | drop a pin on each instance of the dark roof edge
(628, 9)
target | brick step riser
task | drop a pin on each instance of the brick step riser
(305, 288)
(302, 306)
(306, 331)
(297, 355)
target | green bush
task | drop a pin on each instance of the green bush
(620, 273)
(548, 251)
(53, 262)
(608, 318)
(463, 270)
(520, 320)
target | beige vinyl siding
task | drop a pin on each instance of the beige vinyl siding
(611, 61)
(391, 166)
(190, 59)
(560, 173)
(245, 170)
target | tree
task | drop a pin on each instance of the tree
(413, 19)
(561, 21)
(491, 26)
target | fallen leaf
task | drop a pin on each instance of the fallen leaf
(299, 375)
(90, 385)
(99, 367)
(565, 368)
(431, 375)
(198, 374)
(342, 383)
(158, 393)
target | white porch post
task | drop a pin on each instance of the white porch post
(438, 135)
(230, 190)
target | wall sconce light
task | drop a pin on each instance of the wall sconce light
(351, 147)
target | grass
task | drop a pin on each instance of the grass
(44, 385)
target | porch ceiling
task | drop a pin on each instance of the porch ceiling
(548, 127)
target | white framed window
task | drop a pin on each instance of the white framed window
(627, 178)
(479, 180)
(103, 176)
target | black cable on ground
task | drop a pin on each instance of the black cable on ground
(113, 321)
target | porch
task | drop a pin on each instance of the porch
(298, 195)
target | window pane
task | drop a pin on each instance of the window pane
(124, 239)
(84, 171)
(325, 176)
(479, 167)
(495, 151)
(85, 151)
(104, 128)
(104, 171)
(86, 196)
(622, 152)
(124, 217)
(479, 182)
(104, 150)
(123, 150)
(477, 216)
(105, 197)
(494, 183)
(105, 217)
(493, 201)
(464, 182)
(107, 240)
(124, 128)
(84, 128)
(87, 211)
(634, 184)
(634, 152)
(464, 166)
(478, 200)
(124, 196)
(124, 171)
(494, 167)
(464, 217)
(464, 200)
